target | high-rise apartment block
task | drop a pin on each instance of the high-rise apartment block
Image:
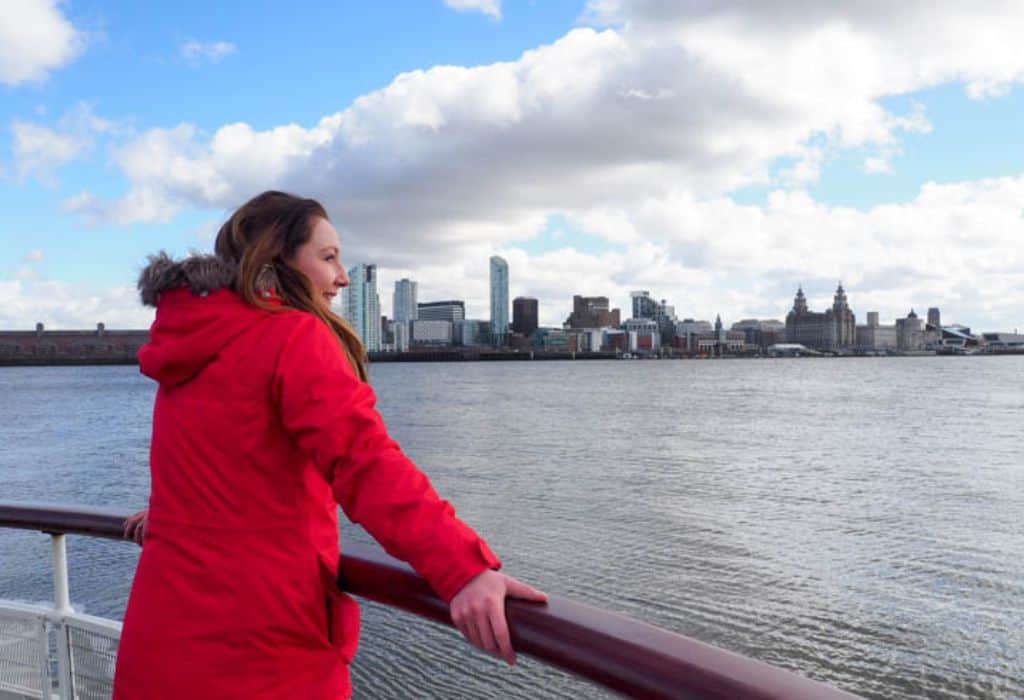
(499, 299)
(361, 305)
(524, 315)
(404, 301)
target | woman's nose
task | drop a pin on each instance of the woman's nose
(342, 279)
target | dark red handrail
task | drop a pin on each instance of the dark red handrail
(631, 657)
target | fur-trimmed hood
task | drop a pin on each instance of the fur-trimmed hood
(202, 274)
(198, 314)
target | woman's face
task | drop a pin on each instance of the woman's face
(319, 259)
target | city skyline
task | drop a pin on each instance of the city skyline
(647, 300)
(714, 154)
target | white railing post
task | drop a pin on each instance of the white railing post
(61, 595)
(62, 606)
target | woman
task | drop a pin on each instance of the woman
(263, 422)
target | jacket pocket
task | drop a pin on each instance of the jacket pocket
(341, 617)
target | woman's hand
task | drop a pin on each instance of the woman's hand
(135, 527)
(478, 611)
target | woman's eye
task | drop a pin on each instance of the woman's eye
(329, 258)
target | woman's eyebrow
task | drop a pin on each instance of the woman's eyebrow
(330, 248)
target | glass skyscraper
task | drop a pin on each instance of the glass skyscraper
(499, 300)
(361, 305)
(404, 301)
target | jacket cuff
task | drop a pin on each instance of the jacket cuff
(465, 568)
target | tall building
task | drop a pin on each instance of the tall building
(499, 299)
(452, 310)
(524, 315)
(835, 329)
(360, 305)
(592, 312)
(403, 301)
(645, 306)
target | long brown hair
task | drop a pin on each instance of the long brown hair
(262, 237)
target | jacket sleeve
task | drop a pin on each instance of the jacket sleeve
(330, 414)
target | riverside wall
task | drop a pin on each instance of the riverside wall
(93, 347)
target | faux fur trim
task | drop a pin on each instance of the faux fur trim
(200, 273)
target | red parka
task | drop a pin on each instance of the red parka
(260, 428)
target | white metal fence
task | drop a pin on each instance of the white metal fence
(49, 653)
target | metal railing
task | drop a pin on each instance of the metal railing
(55, 652)
(627, 656)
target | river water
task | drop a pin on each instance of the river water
(858, 521)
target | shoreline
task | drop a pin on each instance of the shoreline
(483, 355)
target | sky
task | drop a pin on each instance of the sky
(716, 153)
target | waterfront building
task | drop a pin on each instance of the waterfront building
(499, 299)
(524, 315)
(452, 310)
(686, 333)
(404, 307)
(592, 312)
(959, 332)
(615, 340)
(428, 332)
(553, 339)
(688, 325)
(644, 306)
(719, 341)
(761, 334)
(400, 335)
(873, 336)
(360, 305)
(469, 332)
(644, 335)
(591, 339)
(833, 330)
(1003, 342)
(910, 333)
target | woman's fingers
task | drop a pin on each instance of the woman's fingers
(485, 632)
(478, 611)
(518, 589)
(129, 526)
(502, 639)
(135, 526)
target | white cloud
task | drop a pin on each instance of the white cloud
(639, 131)
(491, 8)
(35, 255)
(880, 164)
(213, 51)
(39, 151)
(35, 39)
(59, 305)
